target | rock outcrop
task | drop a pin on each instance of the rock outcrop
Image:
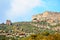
(50, 17)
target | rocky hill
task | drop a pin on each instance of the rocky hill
(50, 17)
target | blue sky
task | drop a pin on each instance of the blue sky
(22, 10)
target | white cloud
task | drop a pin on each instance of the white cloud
(21, 7)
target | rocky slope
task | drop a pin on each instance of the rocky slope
(50, 17)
